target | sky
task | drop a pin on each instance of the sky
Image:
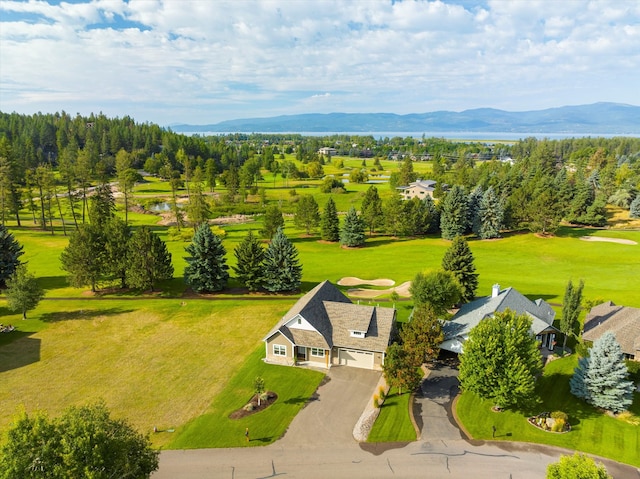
(205, 61)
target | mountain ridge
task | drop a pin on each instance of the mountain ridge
(595, 118)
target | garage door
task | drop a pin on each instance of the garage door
(356, 359)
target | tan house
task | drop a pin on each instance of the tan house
(327, 151)
(324, 328)
(622, 321)
(420, 189)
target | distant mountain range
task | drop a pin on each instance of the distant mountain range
(598, 118)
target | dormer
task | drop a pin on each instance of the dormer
(357, 334)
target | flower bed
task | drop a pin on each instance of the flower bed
(556, 421)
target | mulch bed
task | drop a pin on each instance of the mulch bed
(264, 404)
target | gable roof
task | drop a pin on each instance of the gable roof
(622, 321)
(334, 316)
(426, 185)
(470, 314)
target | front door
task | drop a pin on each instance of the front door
(301, 354)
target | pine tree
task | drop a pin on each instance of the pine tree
(459, 260)
(249, 256)
(602, 378)
(352, 232)
(570, 310)
(473, 207)
(392, 210)
(207, 268)
(23, 291)
(307, 214)
(329, 223)
(453, 219)
(10, 252)
(415, 217)
(634, 209)
(116, 249)
(371, 210)
(150, 261)
(103, 205)
(84, 256)
(501, 360)
(490, 217)
(433, 214)
(273, 220)
(282, 270)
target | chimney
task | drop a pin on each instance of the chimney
(495, 290)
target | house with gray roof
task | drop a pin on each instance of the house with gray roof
(324, 328)
(622, 321)
(420, 189)
(456, 331)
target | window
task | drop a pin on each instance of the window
(317, 352)
(279, 350)
(357, 334)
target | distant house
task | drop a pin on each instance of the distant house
(420, 189)
(327, 151)
(456, 331)
(324, 328)
(622, 321)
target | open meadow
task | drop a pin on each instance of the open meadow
(172, 360)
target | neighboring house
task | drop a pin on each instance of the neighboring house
(456, 331)
(420, 188)
(622, 321)
(324, 328)
(327, 151)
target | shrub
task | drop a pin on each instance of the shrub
(634, 370)
(381, 392)
(560, 415)
(376, 401)
(248, 407)
(183, 234)
(558, 425)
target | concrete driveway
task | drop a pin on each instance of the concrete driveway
(432, 408)
(330, 417)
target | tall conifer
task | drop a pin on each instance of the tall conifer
(207, 268)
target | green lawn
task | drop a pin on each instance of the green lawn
(592, 431)
(294, 386)
(393, 423)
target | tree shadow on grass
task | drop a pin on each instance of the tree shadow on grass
(82, 314)
(21, 351)
(53, 282)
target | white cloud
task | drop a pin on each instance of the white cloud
(263, 58)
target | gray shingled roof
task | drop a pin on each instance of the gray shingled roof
(333, 315)
(470, 314)
(622, 321)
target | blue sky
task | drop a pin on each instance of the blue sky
(200, 61)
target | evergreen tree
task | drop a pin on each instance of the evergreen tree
(459, 260)
(371, 210)
(249, 256)
(571, 306)
(490, 217)
(422, 336)
(578, 466)
(407, 175)
(23, 291)
(281, 268)
(399, 370)
(438, 290)
(415, 218)
(307, 215)
(10, 252)
(453, 218)
(149, 260)
(602, 378)
(433, 213)
(273, 220)
(116, 249)
(102, 206)
(634, 209)
(329, 223)
(207, 268)
(500, 360)
(473, 207)
(392, 210)
(84, 257)
(352, 233)
(544, 211)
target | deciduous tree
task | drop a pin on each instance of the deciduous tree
(422, 336)
(307, 214)
(459, 260)
(439, 290)
(399, 370)
(249, 256)
(577, 466)
(207, 268)
(571, 307)
(601, 379)
(500, 360)
(23, 291)
(282, 270)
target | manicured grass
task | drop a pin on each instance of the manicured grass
(294, 387)
(393, 423)
(156, 362)
(592, 431)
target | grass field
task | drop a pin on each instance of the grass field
(161, 363)
(592, 431)
(393, 423)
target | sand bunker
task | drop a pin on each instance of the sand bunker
(607, 240)
(353, 281)
(402, 290)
